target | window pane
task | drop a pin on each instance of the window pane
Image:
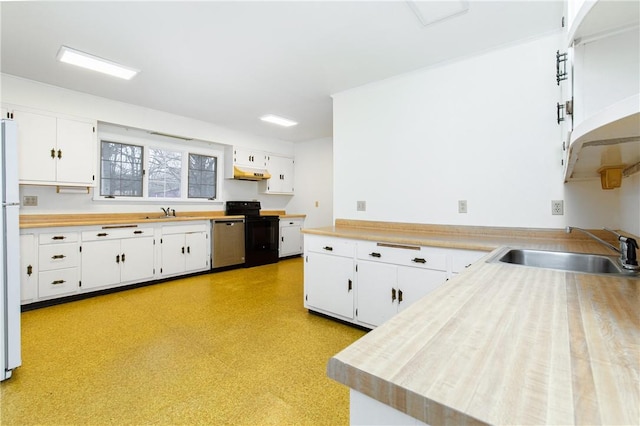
(121, 169)
(202, 176)
(165, 168)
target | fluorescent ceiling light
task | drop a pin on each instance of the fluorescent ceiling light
(85, 60)
(270, 118)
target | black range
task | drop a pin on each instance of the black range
(261, 232)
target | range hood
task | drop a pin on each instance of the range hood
(249, 173)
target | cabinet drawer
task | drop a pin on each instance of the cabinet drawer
(463, 258)
(185, 229)
(60, 281)
(118, 233)
(406, 255)
(332, 246)
(58, 238)
(57, 256)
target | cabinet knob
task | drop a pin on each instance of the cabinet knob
(122, 257)
(118, 258)
(59, 154)
(58, 237)
(327, 248)
(57, 282)
(399, 296)
(419, 260)
(349, 285)
(102, 234)
(58, 256)
(374, 254)
(393, 294)
(29, 270)
(53, 153)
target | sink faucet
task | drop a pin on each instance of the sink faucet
(627, 250)
(168, 211)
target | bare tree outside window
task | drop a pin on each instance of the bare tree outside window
(165, 168)
(202, 176)
(120, 169)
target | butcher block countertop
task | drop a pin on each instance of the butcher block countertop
(499, 343)
(56, 220)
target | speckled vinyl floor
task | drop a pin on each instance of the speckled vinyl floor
(233, 347)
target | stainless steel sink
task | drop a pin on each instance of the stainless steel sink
(564, 261)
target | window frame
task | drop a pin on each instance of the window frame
(151, 143)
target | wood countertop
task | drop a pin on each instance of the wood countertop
(62, 220)
(506, 344)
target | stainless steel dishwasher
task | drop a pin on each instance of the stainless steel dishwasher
(227, 244)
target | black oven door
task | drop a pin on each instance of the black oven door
(261, 240)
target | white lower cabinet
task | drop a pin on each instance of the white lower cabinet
(367, 283)
(329, 277)
(28, 268)
(184, 249)
(59, 262)
(291, 237)
(117, 256)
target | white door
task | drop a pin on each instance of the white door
(197, 255)
(74, 154)
(101, 262)
(36, 146)
(328, 283)
(137, 260)
(173, 254)
(377, 292)
(415, 283)
(290, 241)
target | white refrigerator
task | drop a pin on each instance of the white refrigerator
(10, 248)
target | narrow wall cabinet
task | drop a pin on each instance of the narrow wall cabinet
(55, 150)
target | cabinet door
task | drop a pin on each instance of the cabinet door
(290, 240)
(414, 283)
(245, 157)
(100, 263)
(137, 260)
(281, 170)
(328, 284)
(197, 256)
(36, 141)
(75, 148)
(377, 292)
(173, 254)
(57, 282)
(28, 268)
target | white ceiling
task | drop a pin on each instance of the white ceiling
(231, 62)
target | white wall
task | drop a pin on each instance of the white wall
(482, 129)
(314, 182)
(19, 91)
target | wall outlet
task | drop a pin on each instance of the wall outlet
(30, 200)
(362, 206)
(462, 206)
(557, 207)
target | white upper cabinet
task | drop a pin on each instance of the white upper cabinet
(603, 39)
(281, 171)
(55, 150)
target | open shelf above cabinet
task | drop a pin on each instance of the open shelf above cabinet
(609, 138)
(594, 18)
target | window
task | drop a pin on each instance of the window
(165, 169)
(121, 169)
(202, 176)
(138, 168)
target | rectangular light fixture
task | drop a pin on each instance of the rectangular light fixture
(85, 60)
(270, 118)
